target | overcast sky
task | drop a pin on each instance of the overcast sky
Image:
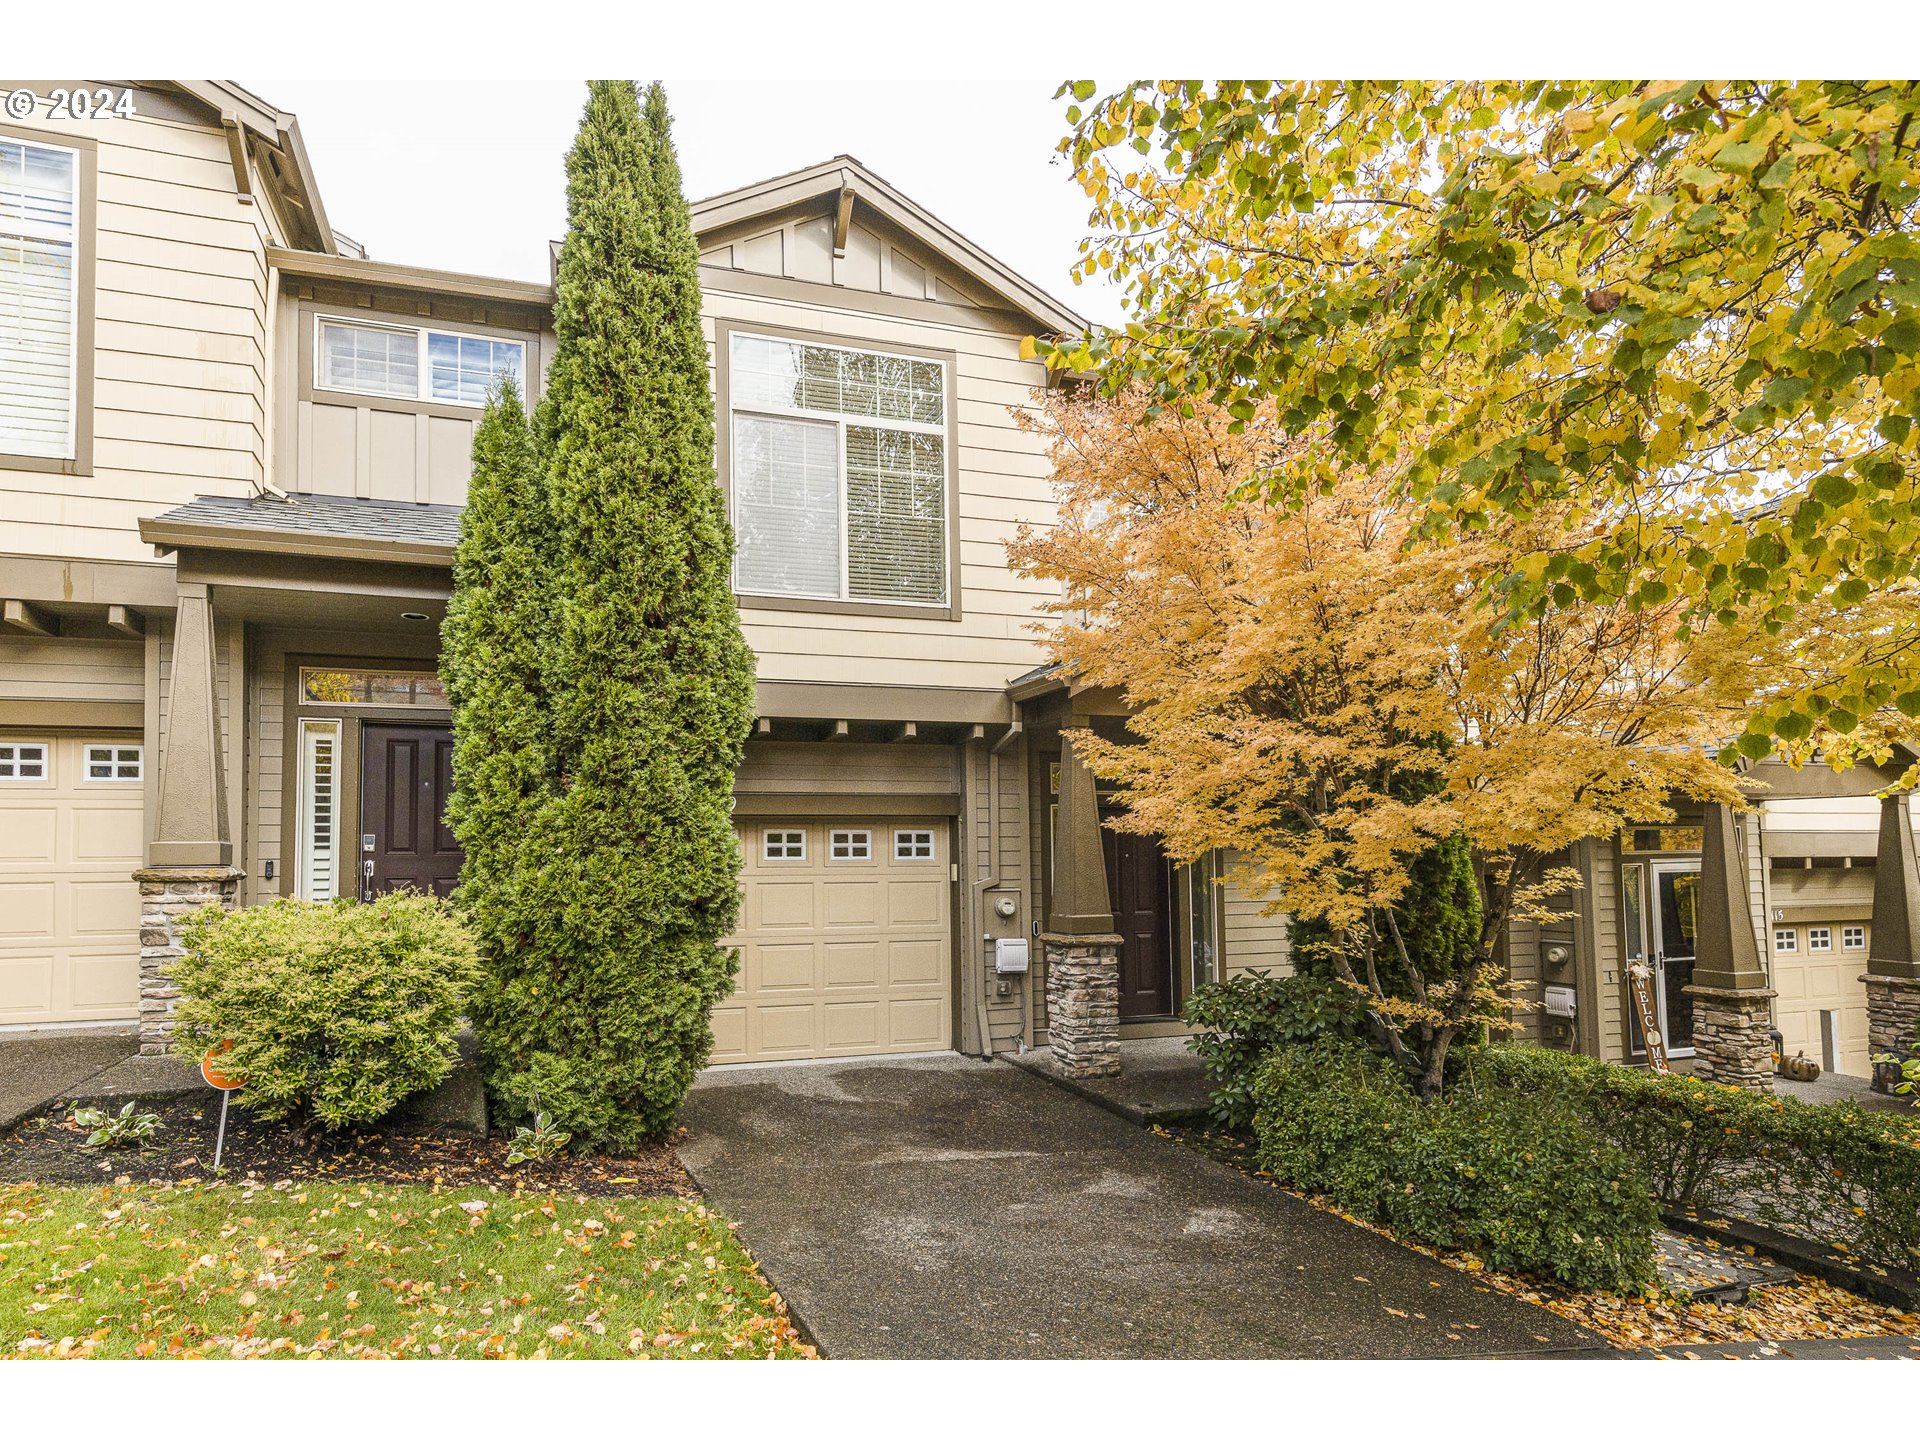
(471, 178)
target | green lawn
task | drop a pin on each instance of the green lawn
(309, 1270)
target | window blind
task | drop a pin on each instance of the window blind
(39, 231)
(786, 506)
(896, 515)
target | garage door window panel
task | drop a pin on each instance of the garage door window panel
(114, 764)
(1853, 937)
(778, 845)
(24, 762)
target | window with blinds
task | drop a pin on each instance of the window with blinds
(39, 245)
(414, 364)
(839, 472)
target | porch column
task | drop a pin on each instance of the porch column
(190, 858)
(1732, 1002)
(1893, 960)
(1083, 952)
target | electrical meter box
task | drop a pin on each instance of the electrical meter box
(1010, 956)
(1559, 1001)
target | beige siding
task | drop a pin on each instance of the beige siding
(375, 447)
(32, 669)
(179, 343)
(1002, 475)
(1009, 876)
(1254, 939)
(801, 768)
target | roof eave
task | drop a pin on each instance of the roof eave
(167, 535)
(411, 277)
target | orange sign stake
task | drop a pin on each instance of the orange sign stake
(226, 1084)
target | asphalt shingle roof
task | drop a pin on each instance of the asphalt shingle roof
(391, 520)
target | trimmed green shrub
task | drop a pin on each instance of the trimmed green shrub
(337, 1011)
(631, 869)
(1244, 1019)
(1522, 1183)
(491, 660)
(1840, 1174)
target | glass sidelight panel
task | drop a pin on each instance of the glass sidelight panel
(318, 865)
(1204, 957)
(1677, 905)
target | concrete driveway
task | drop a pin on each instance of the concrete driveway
(946, 1208)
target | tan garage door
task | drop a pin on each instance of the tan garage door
(1810, 981)
(70, 832)
(845, 942)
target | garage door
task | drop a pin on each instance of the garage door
(70, 840)
(845, 942)
(1823, 972)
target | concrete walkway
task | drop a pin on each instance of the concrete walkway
(37, 1067)
(945, 1208)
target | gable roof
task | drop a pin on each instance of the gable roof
(273, 136)
(848, 184)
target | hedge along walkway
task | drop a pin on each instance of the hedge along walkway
(1807, 1309)
(300, 1270)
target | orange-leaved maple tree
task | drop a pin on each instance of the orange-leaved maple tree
(1325, 698)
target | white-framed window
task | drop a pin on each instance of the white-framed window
(1819, 937)
(23, 760)
(409, 363)
(39, 298)
(1853, 937)
(1786, 942)
(317, 867)
(783, 845)
(838, 467)
(850, 845)
(113, 763)
(913, 844)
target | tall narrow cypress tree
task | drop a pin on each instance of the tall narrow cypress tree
(650, 677)
(492, 663)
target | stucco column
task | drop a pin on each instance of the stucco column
(1893, 961)
(190, 858)
(1083, 951)
(1732, 1001)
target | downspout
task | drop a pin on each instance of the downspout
(987, 882)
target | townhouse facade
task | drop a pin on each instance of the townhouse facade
(233, 456)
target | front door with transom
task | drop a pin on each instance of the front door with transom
(1140, 887)
(406, 778)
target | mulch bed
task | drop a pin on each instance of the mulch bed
(49, 1148)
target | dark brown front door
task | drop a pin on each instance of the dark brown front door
(1137, 883)
(406, 777)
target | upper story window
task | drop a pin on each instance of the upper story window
(415, 364)
(839, 472)
(39, 298)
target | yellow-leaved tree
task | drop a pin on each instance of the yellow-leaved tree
(1681, 319)
(1329, 699)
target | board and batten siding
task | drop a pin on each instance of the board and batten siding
(179, 341)
(1003, 481)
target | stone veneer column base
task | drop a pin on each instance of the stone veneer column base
(1083, 1003)
(168, 892)
(1732, 1039)
(1893, 1014)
